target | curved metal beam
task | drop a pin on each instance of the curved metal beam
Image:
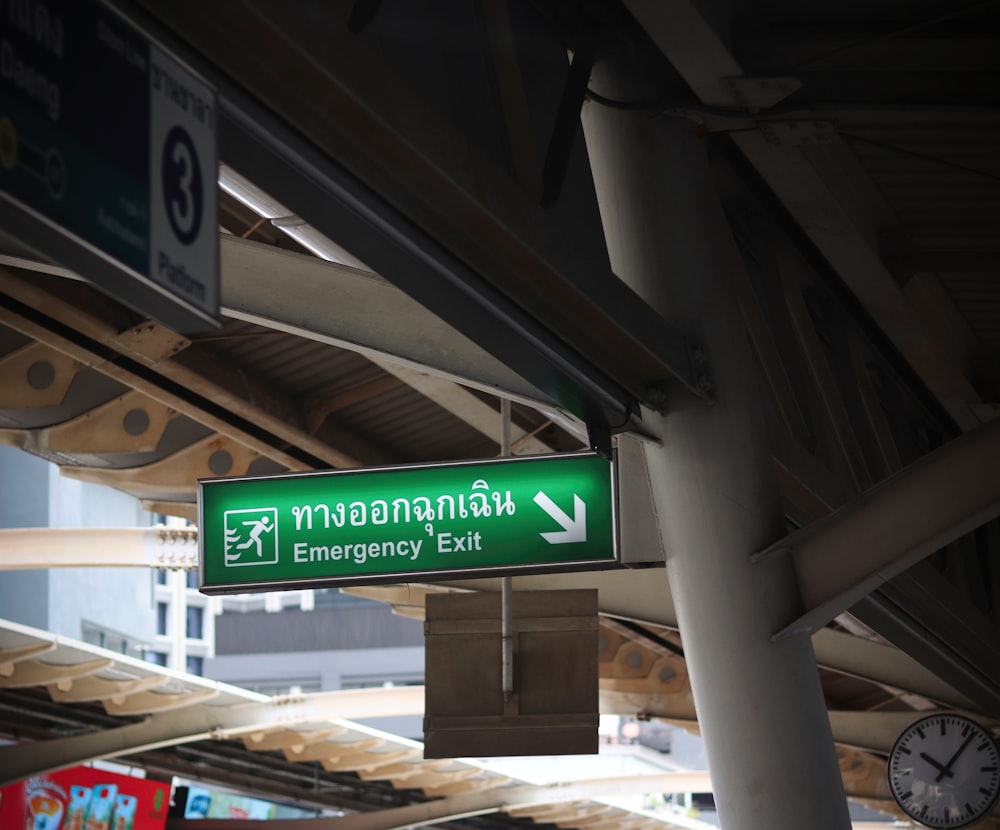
(843, 557)
(475, 804)
(195, 723)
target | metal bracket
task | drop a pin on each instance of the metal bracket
(758, 94)
(697, 380)
(567, 122)
(599, 438)
(798, 133)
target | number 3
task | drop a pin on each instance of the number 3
(182, 185)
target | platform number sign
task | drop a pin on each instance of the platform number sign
(108, 158)
(182, 165)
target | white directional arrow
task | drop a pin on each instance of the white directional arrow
(573, 530)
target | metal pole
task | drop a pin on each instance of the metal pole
(760, 706)
(506, 583)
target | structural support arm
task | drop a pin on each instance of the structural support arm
(193, 723)
(844, 557)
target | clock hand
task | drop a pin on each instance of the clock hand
(946, 770)
(941, 767)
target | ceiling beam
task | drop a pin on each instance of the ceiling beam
(817, 191)
(885, 665)
(270, 429)
(374, 318)
(845, 556)
(925, 614)
(845, 241)
(693, 47)
(175, 476)
(464, 405)
(319, 410)
(355, 310)
(648, 601)
(120, 547)
(192, 722)
(433, 216)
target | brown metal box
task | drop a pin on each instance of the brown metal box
(554, 707)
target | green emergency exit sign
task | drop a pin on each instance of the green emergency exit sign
(399, 524)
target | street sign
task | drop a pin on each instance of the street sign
(399, 524)
(108, 160)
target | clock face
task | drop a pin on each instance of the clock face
(944, 771)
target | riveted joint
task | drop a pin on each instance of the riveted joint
(657, 395)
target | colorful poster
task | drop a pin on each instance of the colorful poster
(203, 803)
(83, 798)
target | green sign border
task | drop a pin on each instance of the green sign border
(522, 550)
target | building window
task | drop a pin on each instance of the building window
(161, 576)
(195, 618)
(284, 686)
(157, 657)
(334, 598)
(196, 665)
(106, 638)
(161, 618)
(192, 579)
(375, 681)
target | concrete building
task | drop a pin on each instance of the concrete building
(158, 615)
(320, 640)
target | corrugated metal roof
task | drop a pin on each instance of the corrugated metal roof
(411, 426)
(299, 366)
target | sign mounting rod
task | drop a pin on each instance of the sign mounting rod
(507, 583)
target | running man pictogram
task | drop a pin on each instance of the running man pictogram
(259, 526)
(248, 530)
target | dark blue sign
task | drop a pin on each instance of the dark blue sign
(111, 142)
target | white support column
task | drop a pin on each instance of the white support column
(760, 706)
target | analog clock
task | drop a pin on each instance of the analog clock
(944, 771)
